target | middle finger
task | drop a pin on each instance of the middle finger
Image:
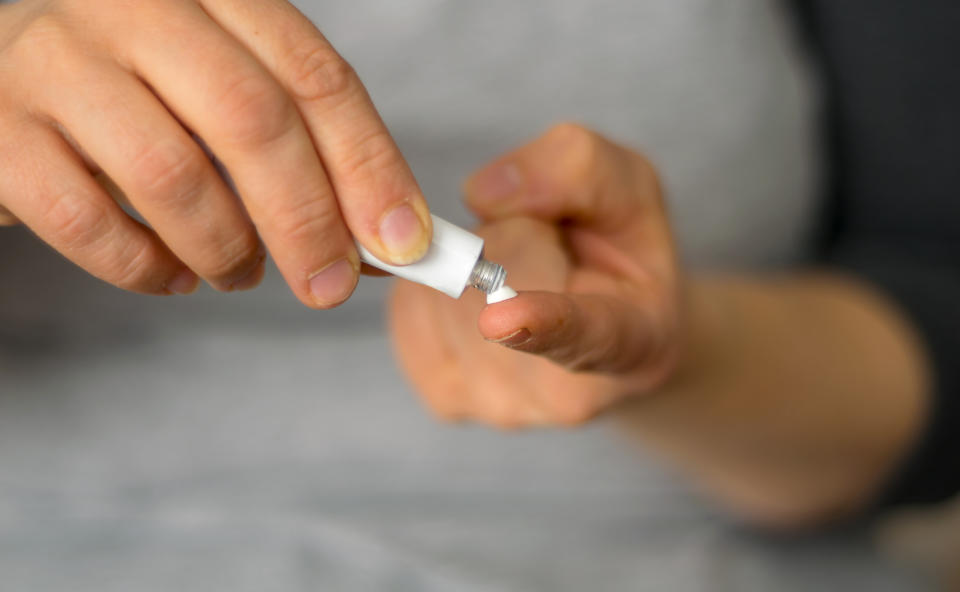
(223, 93)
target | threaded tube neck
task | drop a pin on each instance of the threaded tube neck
(487, 276)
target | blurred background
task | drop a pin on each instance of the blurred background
(241, 442)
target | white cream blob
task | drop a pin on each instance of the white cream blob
(505, 292)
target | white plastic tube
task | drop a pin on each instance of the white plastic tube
(454, 261)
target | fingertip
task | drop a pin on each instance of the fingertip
(533, 322)
(185, 282)
(252, 279)
(500, 320)
(528, 311)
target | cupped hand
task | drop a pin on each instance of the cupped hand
(122, 89)
(580, 226)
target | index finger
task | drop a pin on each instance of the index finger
(379, 198)
(582, 332)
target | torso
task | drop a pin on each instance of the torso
(243, 440)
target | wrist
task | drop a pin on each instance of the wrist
(704, 330)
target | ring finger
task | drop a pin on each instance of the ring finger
(47, 186)
(163, 172)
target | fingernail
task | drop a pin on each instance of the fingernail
(518, 337)
(402, 234)
(498, 182)
(185, 282)
(334, 283)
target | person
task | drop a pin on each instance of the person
(795, 398)
(718, 365)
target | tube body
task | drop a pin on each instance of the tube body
(448, 264)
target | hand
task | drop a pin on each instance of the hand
(580, 226)
(119, 88)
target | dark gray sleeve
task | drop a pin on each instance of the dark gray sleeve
(892, 122)
(928, 291)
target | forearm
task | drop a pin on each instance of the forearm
(795, 396)
(795, 399)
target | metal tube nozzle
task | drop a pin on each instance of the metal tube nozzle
(487, 276)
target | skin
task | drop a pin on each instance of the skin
(102, 99)
(789, 398)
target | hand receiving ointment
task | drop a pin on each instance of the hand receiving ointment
(454, 261)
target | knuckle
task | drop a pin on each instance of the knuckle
(135, 269)
(640, 163)
(82, 226)
(318, 72)
(503, 415)
(573, 413)
(77, 224)
(43, 44)
(306, 222)
(375, 151)
(235, 258)
(255, 111)
(48, 28)
(171, 173)
(574, 137)
(569, 129)
(646, 178)
(578, 147)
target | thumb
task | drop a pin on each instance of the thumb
(589, 333)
